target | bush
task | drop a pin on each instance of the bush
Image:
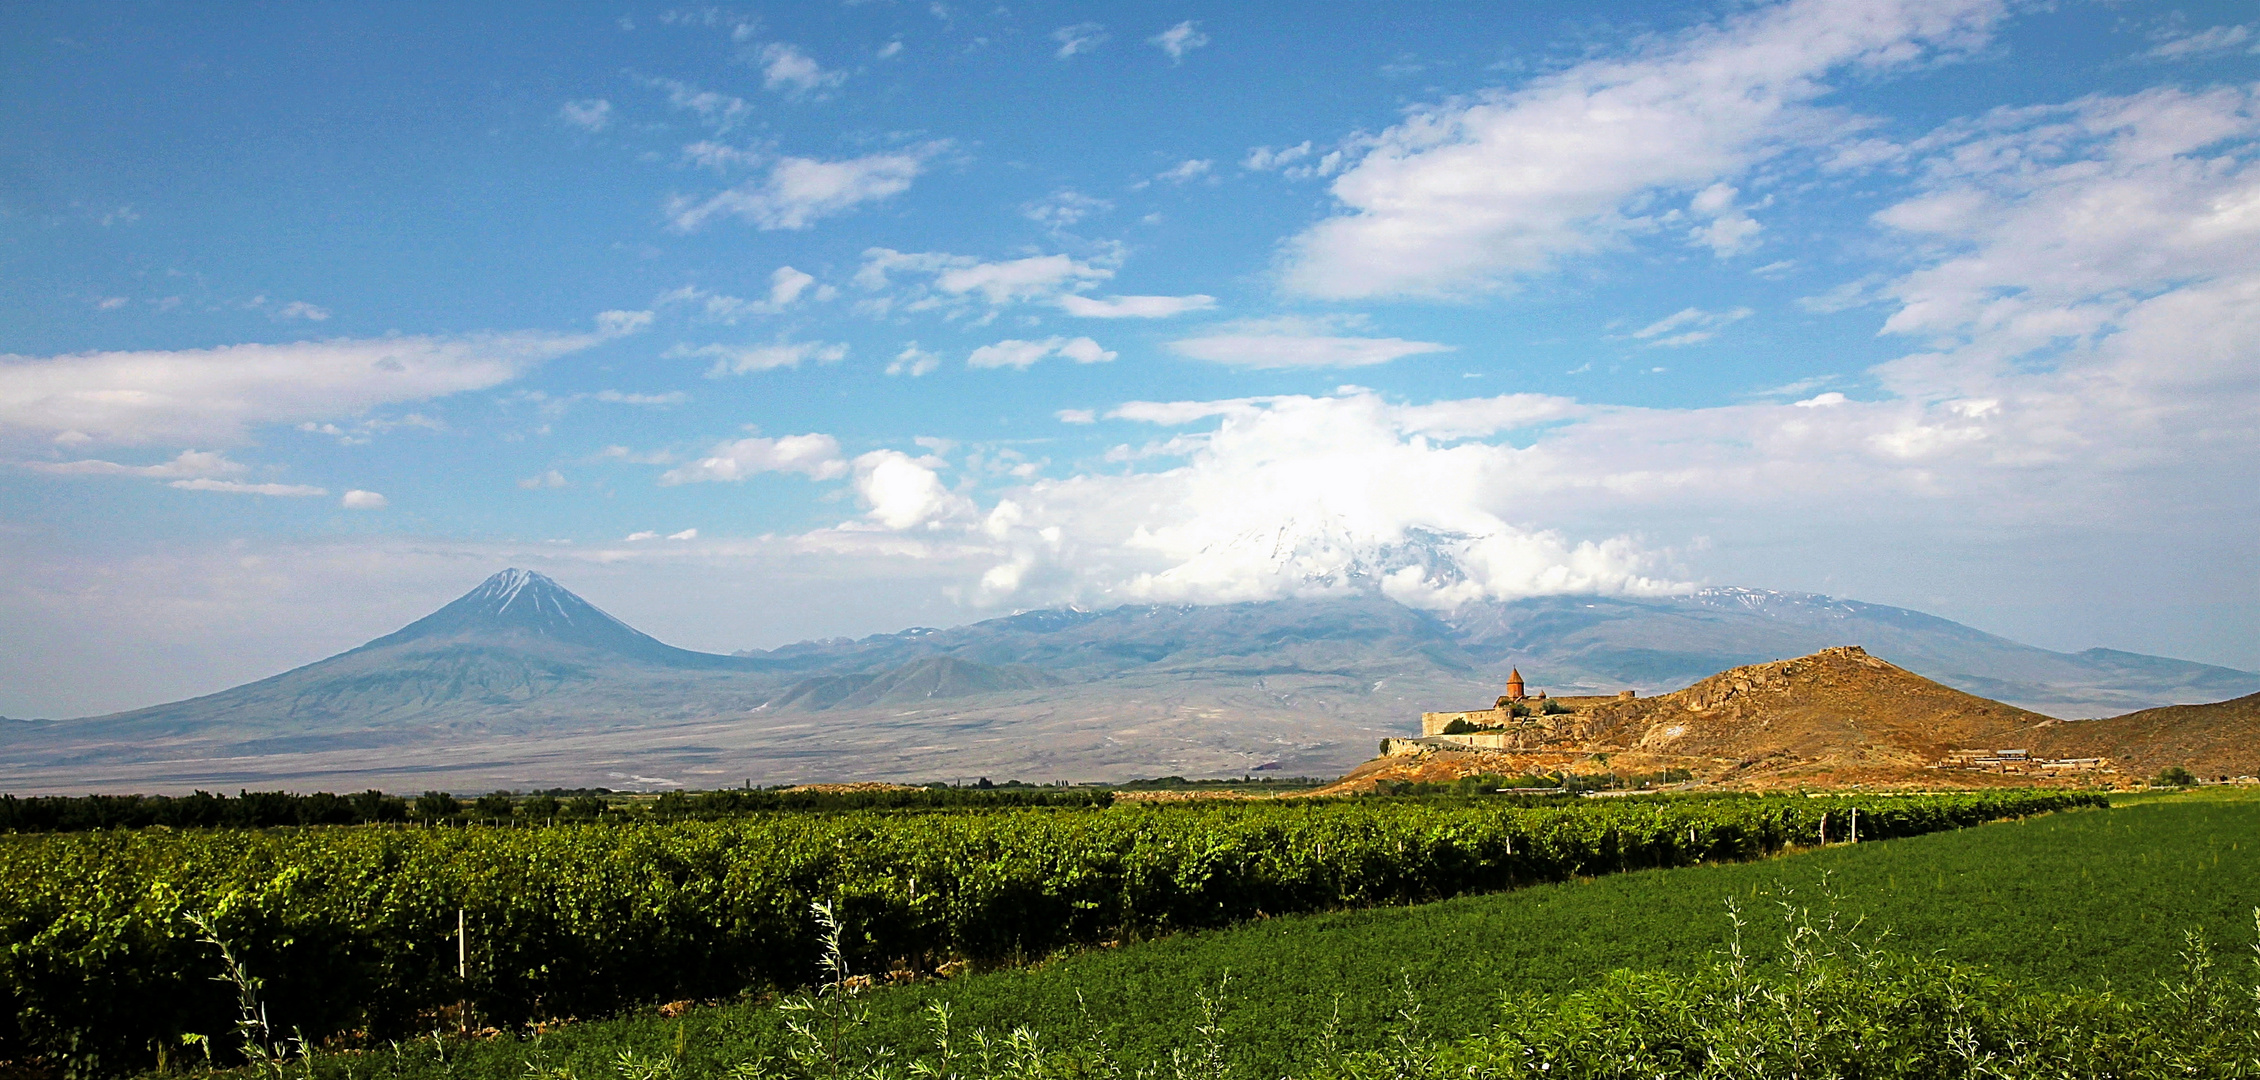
(435, 806)
(2173, 776)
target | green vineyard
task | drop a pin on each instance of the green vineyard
(379, 929)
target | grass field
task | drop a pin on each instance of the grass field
(2082, 900)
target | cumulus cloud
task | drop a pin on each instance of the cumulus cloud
(1020, 354)
(747, 359)
(1466, 195)
(549, 480)
(358, 499)
(815, 456)
(1133, 307)
(1726, 229)
(220, 395)
(588, 114)
(913, 361)
(903, 492)
(1179, 40)
(1293, 343)
(797, 191)
(786, 69)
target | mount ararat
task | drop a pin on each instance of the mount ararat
(520, 683)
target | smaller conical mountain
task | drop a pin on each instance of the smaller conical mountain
(525, 608)
(517, 655)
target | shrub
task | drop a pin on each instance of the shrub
(435, 806)
(2173, 776)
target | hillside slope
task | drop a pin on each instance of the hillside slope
(2213, 741)
(1837, 716)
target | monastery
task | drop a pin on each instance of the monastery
(1517, 706)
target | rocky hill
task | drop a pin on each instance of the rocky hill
(1838, 716)
(2215, 741)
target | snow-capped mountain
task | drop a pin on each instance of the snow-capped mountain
(520, 683)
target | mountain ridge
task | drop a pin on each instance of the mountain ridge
(520, 683)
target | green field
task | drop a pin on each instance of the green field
(2082, 900)
(112, 937)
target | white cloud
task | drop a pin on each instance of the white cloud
(913, 361)
(618, 397)
(814, 456)
(2213, 41)
(1730, 231)
(1294, 162)
(716, 110)
(747, 359)
(1077, 416)
(1020, 354)
(219, 395)
(1133, 307)
(722, 157)
(799, 191)
(639, 536)
(622, 323)
(588, 114)
(300, 309)
(903, 492)
(1296, 342)
(786, 69)
(1179, 40)
(1079, 38)
(1466, 195)
(234, 487)
(951, 279)
(1687, 326)
(1265, 159)
(358, 499)
(550, 480)
(786, 285)
(1822, 401)
(189, 463)
(686, 534)
(1064, 208)
(1189, 169)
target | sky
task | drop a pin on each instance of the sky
(754, 324)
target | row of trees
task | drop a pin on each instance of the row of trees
(273, 809)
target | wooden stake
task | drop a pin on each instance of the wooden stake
(462, 947)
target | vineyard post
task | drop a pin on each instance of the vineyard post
(462, 947)
(1855, 824)
(1824, 828)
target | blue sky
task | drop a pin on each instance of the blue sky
(767, 322)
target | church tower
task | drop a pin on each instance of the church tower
(1515, 689)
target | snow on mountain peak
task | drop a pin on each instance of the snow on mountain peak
(1430, 568)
